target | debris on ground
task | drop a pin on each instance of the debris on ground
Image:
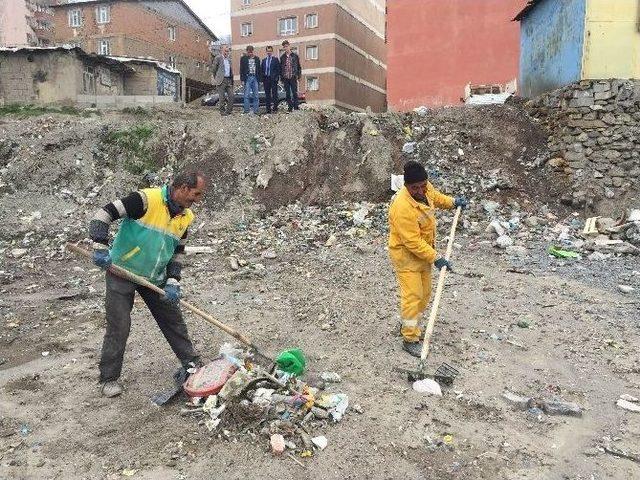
(235, 395)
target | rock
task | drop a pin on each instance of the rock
(625, 288)
(597, 256)
(277, 444)
(331, 241)
(19, 252)
(233, 263)
(427, 386)
(490, 206)
(627, 405)
(558, 162)
(320, 413)
(409, 147)
(496, 228)
(562, 408)
(269, 254)
(320, 442)
(519, 401)
(503, 241)
(516, 250)
(524, 323)
(604, 223)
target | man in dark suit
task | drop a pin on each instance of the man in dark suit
(290, 71)
(270, 77)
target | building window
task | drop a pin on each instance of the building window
(246, 3)
(172, 61)
(105, 47)
(312, 52)
(75, 18)
(103, 14)
(311, 20)
(172, 34)
(288, 26)
(313, 84)
(246, 29)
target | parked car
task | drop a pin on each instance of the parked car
(211, 99)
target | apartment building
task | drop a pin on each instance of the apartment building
(164, 30)
(25, 23)
(341, 44)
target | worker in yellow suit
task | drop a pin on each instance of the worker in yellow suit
(412, 235)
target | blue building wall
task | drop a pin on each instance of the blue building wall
(551, 45)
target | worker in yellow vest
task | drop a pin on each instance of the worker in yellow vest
(412, 240)
(149, 243)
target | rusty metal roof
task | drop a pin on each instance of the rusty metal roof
(525, 11)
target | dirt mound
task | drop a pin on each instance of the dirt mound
(58, 169)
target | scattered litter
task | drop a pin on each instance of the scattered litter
(428, 386)
(330, 377)
(291, 361)
(447, 440)
(45, 354)
(397, 182)
(129, 472)
(537, 406)
(627, 405)
(277, 444)
(524, 323)
(560, 253)
(626, 288)
(320, 442)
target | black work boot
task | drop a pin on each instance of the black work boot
(413, 348)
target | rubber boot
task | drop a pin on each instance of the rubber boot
(413, 348)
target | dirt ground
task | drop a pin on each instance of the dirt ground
(339, 305)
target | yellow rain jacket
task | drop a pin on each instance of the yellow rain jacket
(412, 229)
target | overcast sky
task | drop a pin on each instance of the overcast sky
(215, 13)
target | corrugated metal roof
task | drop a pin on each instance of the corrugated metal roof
(181, 2)
(525, 11)
(152, 61)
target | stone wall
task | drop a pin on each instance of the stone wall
(594, 140)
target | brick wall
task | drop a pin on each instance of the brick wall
(135, 31)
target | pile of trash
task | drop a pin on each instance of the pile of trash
(233, 395)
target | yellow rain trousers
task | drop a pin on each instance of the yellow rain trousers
(412, 235)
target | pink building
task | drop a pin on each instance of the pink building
(439, 50)
(25, 23)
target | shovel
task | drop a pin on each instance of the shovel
(132, 277)
(445, 374)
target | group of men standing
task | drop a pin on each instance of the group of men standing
(270, 71)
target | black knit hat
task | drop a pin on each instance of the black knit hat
(414, 173)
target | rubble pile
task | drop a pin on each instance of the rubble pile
(287, 412)
(594, 128)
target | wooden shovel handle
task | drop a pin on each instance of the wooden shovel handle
(132, 277)
(439, 288)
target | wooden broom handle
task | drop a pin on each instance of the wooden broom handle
(439, 288)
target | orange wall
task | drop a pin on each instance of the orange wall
(437, 47)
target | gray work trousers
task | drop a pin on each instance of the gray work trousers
(225, 95)
(119, 303)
